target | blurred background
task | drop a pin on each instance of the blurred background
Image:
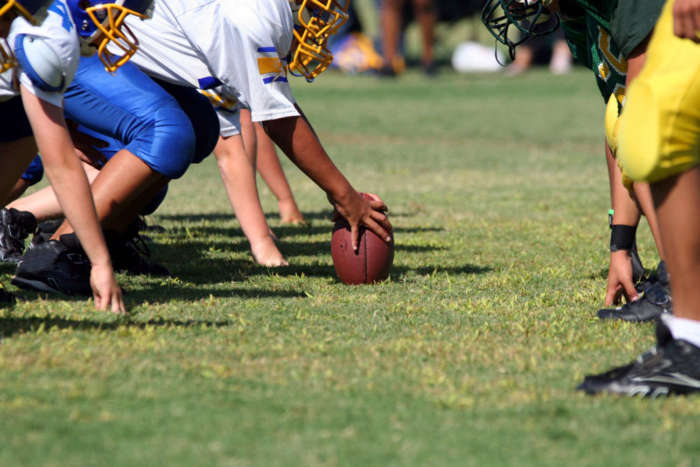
(385, 37)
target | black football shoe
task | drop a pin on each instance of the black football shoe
(130, 254)
(55, 267)
(15, 227)
(671, 367)
(654, 302)
(6, 297)
(44, 231)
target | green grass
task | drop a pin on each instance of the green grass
(468, 355)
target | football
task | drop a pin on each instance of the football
(371, 263)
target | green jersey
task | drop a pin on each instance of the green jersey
(602, 34)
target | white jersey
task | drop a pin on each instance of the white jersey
(47, 56)
(228, 110)
(240, 44)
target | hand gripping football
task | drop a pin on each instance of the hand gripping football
(371, 263)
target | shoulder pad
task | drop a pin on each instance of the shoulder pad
(40, 62)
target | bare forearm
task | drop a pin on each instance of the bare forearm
(64, 171)
(297, 140)
(625, 207)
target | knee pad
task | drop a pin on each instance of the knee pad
(35, 172)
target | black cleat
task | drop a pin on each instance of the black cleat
(655, 301)
(130, 254)
(6, 298)
(15, 227)
(55, 267)
(44, 231)
(672, 367)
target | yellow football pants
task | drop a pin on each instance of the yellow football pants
(658, 135)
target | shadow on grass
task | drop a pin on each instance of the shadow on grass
(192, 260)
(166, 293)
(323, 214)
(9, 326)
(281, 231)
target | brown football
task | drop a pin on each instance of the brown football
(371, 263)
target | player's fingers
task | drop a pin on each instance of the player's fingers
(687, 25)
(355, 236)
(383, 220)
(379, 205)
(118, 303)
(99, 301)
(610, 295)
(630, 291)
(696, 25)
(378, 229)
(375, 201)
(680, 19)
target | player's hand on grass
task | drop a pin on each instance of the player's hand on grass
(105, 290)
(366, 209)
(620, 279)
(686, 19)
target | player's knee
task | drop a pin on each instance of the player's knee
(656, 140)
(175, 146)
(155, 203)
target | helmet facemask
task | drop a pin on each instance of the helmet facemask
(530, 18)
(316, 21)
(111, 29)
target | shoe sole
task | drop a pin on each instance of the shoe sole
(613, 317)
(37, 285)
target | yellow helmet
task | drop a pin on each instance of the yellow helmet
(315, 22)
(105, 20)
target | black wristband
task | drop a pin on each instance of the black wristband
(622, 237)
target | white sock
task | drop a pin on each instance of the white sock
(685, 329)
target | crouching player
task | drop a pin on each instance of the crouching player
(243, 46)
(658, 139)
(44, 56)
(153, 131)
(610, 39)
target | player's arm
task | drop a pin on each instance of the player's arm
(626, 215)
(70, 184)
(625, 207)
(296, 138)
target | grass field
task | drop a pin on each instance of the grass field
(468, 355)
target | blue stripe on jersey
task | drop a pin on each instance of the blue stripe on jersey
(272, 79)
(61, 10)
(208, 83)
(264, 50)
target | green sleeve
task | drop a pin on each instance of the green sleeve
(633, 21)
